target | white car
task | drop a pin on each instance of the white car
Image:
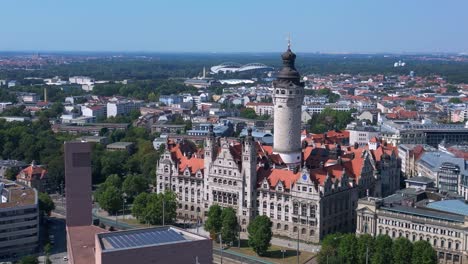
(65, 258)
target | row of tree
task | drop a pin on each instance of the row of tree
(223, 221)
(349, 249)
(110, 194)
(152, 208)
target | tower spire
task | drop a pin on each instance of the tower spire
(289, 41)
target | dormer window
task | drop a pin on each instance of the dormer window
(265, 185)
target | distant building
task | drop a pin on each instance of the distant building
(362, 134)
(420, 182)
(261, 108)
(94, 139)
(116, 108)
(19, 221)
(418, 215)
(95, 128)
(28, 97)
(6, 165)
(170, 99)
(121, 146)
(81, 80)
(34, 176)
(162, 127)
(415, 132)
(16, 118)
(12, 83)
(95, 110)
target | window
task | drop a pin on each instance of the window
(272, 206)
(286, 227)
(278, 226)
(295, 229)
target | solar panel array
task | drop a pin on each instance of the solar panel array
(144, 238)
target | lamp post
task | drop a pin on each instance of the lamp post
(164, 209)
(124, 200)
(220, 245)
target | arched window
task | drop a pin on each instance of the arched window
(278, 226)
(234, 183)
(192, 208)
(244, 221)
(286, 208)
(264, 204)
(272, 206)
(277, 91)
(279, 208)
(186, 207)
(295, 229)
(283, 91)
(186, 190)
(166, 168)
(198, 209)
(215, 180)
(230, 182)
(303, 231)
(224, 182)
(312, 232)
(286, 227)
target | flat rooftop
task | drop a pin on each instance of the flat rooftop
(82, 243)
(145, 237)
(14, 195)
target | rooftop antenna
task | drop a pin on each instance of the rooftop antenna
(289, 41)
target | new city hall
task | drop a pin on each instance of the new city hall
(308, 189)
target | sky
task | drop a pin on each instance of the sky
(329, 26)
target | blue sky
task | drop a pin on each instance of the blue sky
(234, 26)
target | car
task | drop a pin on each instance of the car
(65, 258)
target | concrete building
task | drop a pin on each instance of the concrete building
(415, 132)
(19, 221)
(97, 111)
(88, 244)
(161, 245)
(362, 134)
(121, 146)
(122, 107)
(261, 108)
(445, 169)
(418, 215)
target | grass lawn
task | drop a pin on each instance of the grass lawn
(273, 254)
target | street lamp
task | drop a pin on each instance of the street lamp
(124, 200)
(220, 245)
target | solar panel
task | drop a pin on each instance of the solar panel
(143, 238)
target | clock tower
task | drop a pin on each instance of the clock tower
(288, 96)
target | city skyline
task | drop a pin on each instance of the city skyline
(226, 27)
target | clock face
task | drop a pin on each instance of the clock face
(304, 177)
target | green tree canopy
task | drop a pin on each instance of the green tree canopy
(455, 100)
(423, 253)
(248, 113)
(329, 119)
(348, 249)
(214, 221)
(402, 250)
(383, 252)
(29, 260)
(139, 206)
(110, 199)
(329, 251)
(133, 185)
(230, 227)
(46, 205)
(260, 234)
(365, 247)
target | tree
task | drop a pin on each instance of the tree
(455, 100)
(110, 199)
(248, 113)
(29, 260)
(230, 226)
(329, 252)
(260, 234)
(170, 207)
(382, 253)
(423, 253)
(139, 207)
(46, 205)
(11, 173)
(347, 249)
(402, 250)
(133, 185)
(365, 248)
(214, 221)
